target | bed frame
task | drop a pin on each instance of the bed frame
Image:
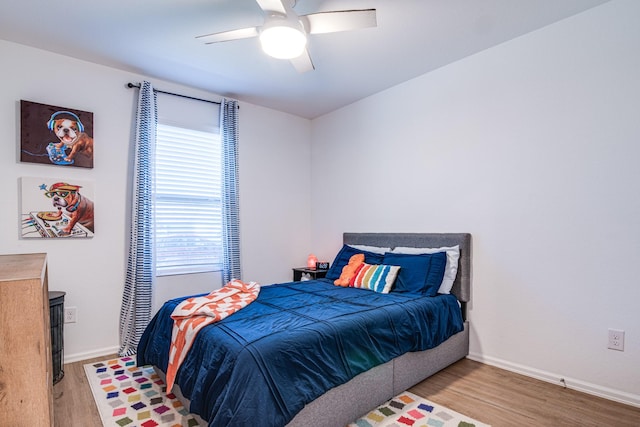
(337, 407)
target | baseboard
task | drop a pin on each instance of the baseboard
(76, 357)
(572, 383)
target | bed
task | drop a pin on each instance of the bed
(311, 353)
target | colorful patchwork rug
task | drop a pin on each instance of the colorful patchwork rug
(407, 409)
(130, 396)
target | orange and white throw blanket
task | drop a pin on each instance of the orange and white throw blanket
(195, 313)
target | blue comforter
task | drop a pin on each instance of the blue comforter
(262, 364)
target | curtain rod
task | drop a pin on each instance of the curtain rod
(132, 85)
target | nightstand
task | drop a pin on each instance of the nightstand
(313, 272)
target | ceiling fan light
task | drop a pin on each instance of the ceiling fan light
(283, 42)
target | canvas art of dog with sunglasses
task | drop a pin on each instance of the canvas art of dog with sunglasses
(57, 208)
(67, 198)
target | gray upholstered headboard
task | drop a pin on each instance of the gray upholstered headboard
(461, 286)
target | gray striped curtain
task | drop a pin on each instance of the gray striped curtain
(230, 199)
(135, 312)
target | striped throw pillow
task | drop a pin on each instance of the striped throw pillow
(377, 278)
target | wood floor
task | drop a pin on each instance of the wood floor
(488, 394)
(502, 398)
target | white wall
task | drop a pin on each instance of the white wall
(274, 159)
(531, 146)
(274, 194)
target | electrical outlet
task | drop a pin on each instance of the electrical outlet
(70, 315)
(616, 339)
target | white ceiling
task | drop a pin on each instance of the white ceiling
(156, 38)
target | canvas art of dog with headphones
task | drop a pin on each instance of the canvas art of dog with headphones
(56, 135)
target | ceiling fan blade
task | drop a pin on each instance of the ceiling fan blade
(339, 20)
(303, 63)
(225, 36)
(272, 6)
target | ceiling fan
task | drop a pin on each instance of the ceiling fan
(284, 33)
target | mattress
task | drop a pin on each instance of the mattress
(292, 344)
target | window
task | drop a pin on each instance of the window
(188, 210)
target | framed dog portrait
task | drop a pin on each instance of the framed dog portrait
(56, 208)
(55, 135)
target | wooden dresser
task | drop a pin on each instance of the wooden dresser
(26, 384)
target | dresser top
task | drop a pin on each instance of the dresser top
(22, 266)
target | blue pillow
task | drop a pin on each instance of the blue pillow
(342, 259)
(419, 274)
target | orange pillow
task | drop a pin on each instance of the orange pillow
(349, 270)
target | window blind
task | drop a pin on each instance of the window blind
(188, 210)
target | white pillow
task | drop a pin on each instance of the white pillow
(374, 249)
(450, 269)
